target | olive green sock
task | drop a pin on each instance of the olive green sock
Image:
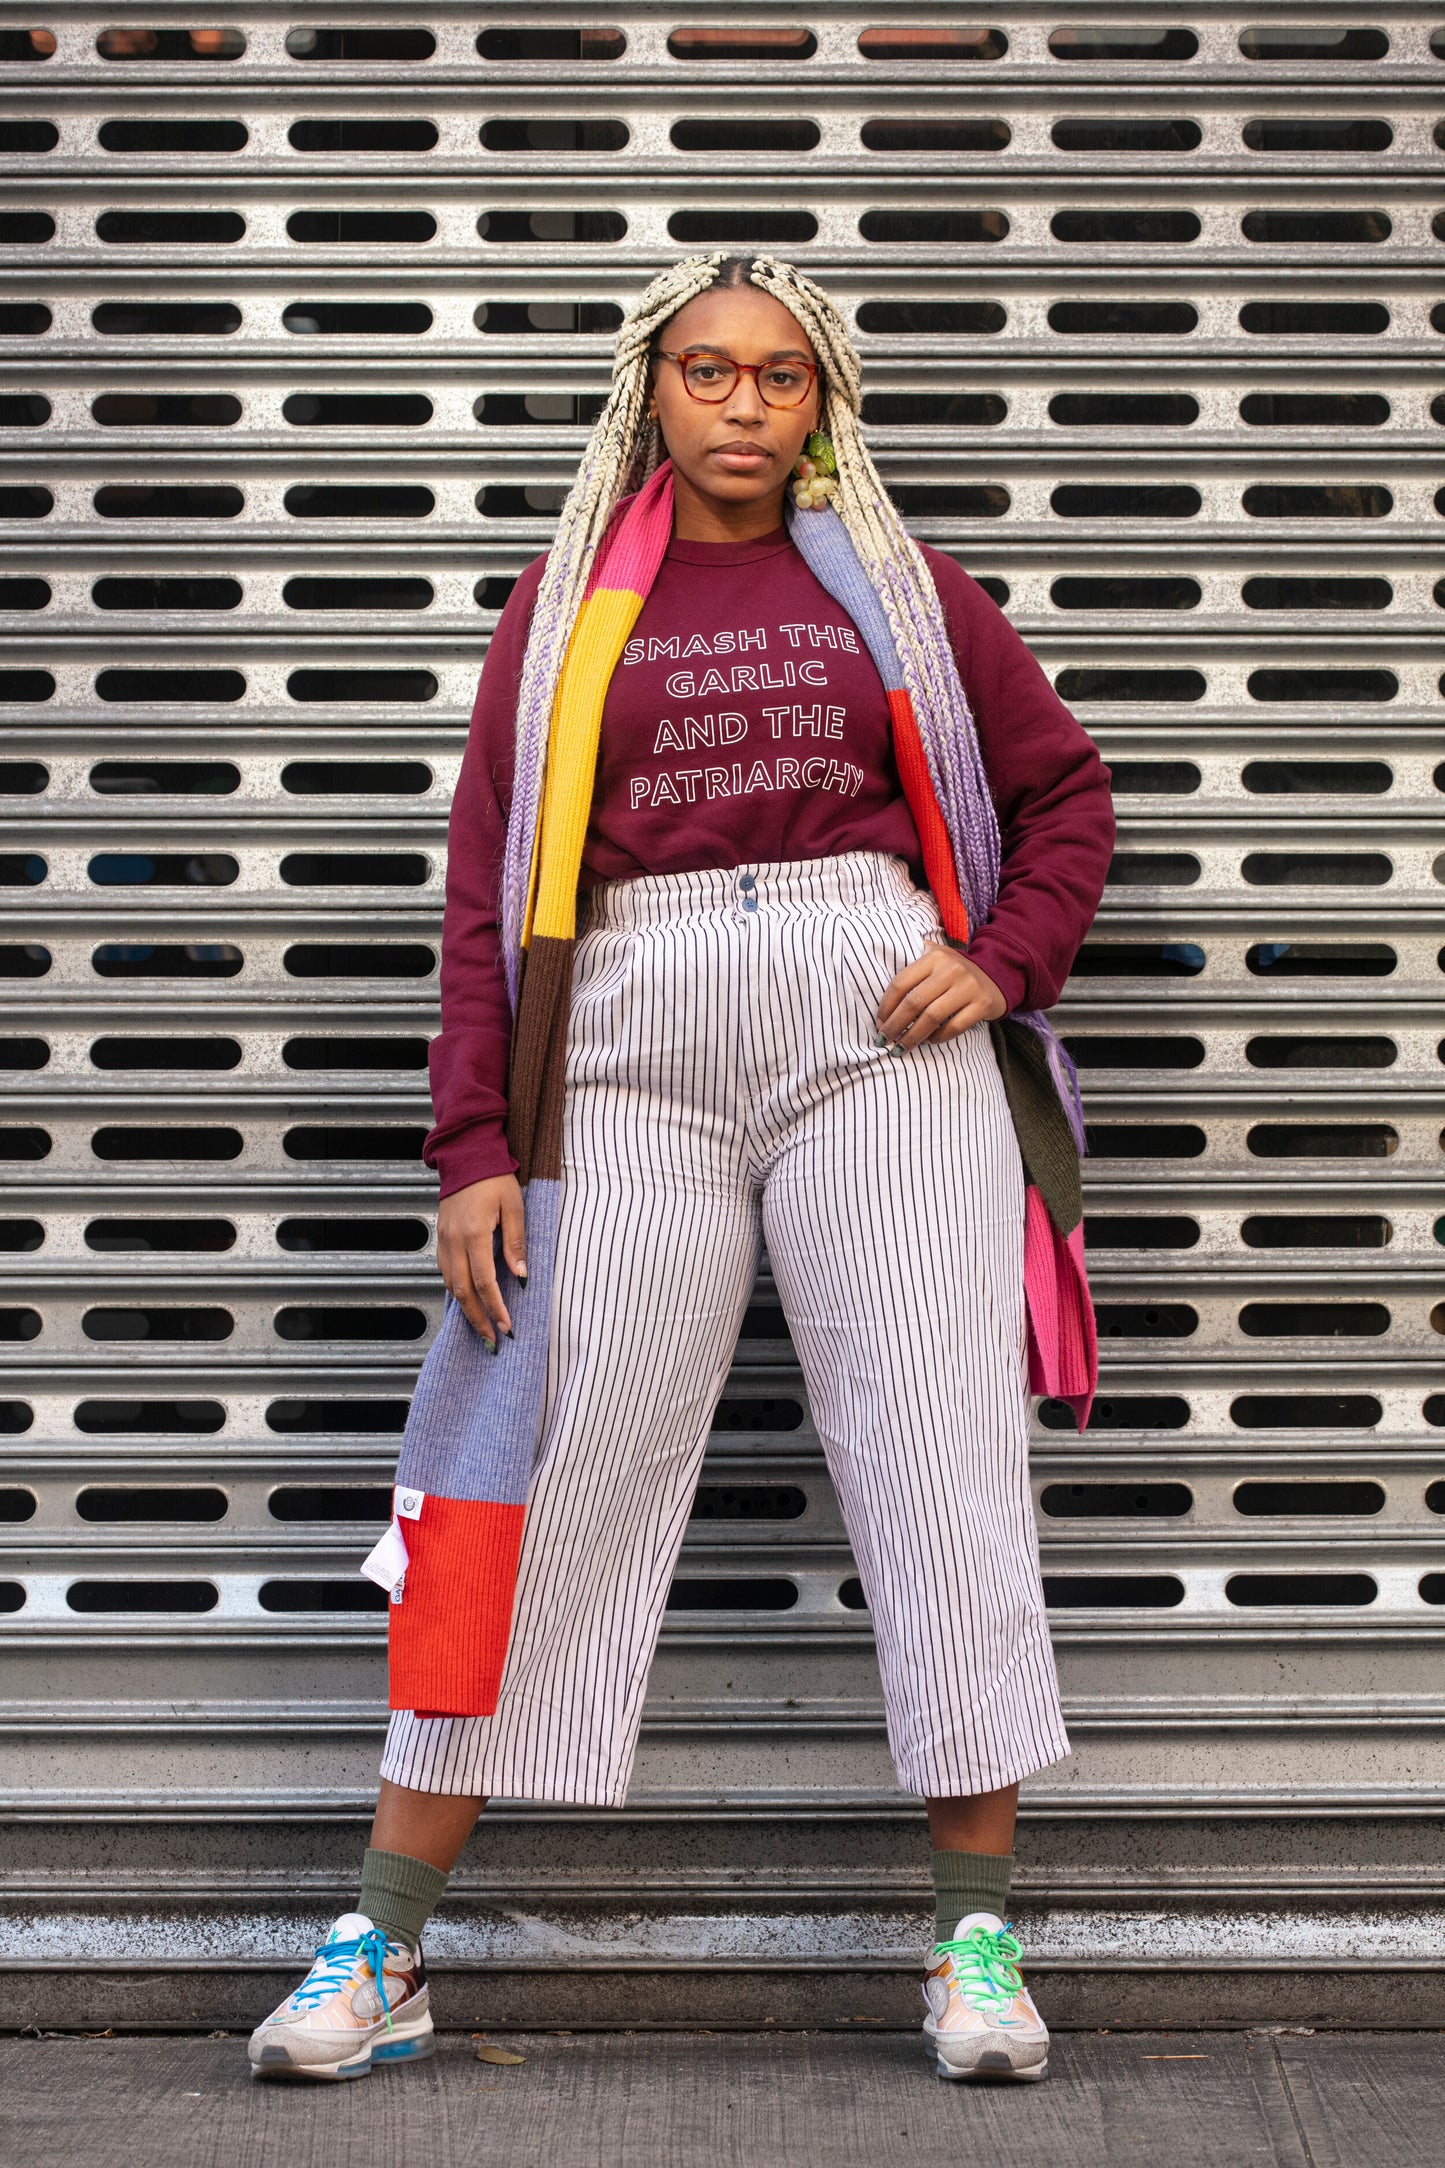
(399, 1894)
(965, 1882)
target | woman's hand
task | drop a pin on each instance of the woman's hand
(466, 1250)
(939, 997)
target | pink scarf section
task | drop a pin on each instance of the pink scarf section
(1063, 1344)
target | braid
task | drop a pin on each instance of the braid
(896, 567)
(620, 451)
(623, 450)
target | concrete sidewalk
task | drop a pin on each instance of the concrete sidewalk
(739, 2100)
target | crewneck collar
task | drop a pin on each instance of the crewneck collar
(729, 553)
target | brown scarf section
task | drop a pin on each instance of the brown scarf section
(539, 1059)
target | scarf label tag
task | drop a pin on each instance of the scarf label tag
(408, 1504)
(388, 1560)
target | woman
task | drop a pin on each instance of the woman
(743, 750)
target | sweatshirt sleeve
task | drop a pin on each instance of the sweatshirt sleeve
(468, 1058)
(1051, 793)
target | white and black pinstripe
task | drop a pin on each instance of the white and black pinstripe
(725, 1086)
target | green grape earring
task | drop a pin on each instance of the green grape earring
(816, 473)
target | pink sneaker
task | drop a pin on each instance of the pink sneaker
(364, 2001)
(981, 2018)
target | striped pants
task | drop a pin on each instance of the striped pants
(724, 1087)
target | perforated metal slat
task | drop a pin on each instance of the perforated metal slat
(1149, 305)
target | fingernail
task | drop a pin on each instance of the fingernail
(522, 1269)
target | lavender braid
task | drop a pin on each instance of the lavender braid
(896, 569)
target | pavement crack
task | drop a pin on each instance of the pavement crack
(1305, 2107)
(1281, 2072)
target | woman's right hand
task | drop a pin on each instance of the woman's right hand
(466, 1249)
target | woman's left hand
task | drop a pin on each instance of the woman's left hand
(939, 997)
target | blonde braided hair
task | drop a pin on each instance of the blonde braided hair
(620, 447)
(899, 575)
(623, 449)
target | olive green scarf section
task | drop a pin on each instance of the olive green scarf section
(1050, 1155)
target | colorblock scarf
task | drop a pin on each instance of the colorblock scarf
(450, 1555)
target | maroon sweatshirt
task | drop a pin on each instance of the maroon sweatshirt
(745, 724)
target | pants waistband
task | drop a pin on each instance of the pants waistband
(851, 879)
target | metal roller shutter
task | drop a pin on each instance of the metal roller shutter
(301, 319)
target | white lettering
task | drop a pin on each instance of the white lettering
(680, 685)
(815, 721)
(657, 650)
(668, 739)
(758, 639)
(640, 787)
(822, 636)
(812, 672)
(730, 728)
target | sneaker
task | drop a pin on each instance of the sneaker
(981, 2018)
(364, 2001)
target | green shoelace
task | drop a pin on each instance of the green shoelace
(983, 1961)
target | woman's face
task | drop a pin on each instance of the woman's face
(739, 451)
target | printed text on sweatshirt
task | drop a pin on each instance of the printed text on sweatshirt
(746, 724)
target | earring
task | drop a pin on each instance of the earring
(816, 473)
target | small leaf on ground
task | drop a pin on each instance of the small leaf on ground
(488, 2054)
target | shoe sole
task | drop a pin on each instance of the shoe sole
(990, 2061)
(405, 2044)
(993, 2064)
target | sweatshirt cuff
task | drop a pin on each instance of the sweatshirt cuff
(1008, 975)
(476, 1154)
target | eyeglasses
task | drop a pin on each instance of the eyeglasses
(712, 378)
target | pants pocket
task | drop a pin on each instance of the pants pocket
(883, 940)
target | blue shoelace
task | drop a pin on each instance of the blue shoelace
(335, 1963)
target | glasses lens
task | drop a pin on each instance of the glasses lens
(709, 378)
(783, 384)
